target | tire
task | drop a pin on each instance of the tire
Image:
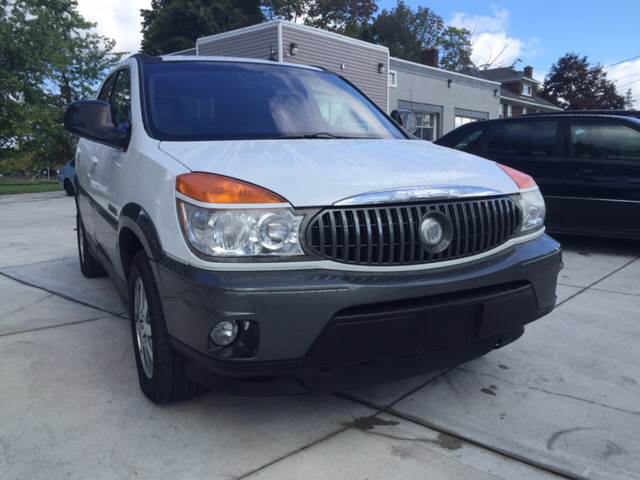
(89, 265)
(161, 371)
(68, 187)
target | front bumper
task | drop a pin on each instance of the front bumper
(322, 329)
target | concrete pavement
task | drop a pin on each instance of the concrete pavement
(561, 402)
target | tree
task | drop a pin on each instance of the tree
(407, 33)
(289, 10)
(575, 84)
(628, 99)
(348, 17)
(50, 56)
(173, 25)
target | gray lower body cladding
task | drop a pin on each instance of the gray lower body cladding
(315, 325)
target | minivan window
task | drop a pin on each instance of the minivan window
(521, 138)
(229, 101)
(105, 91)
(467, 142)
(600, 140)
(121, 99)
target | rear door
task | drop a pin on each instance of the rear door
(603, 175)
(533, 146)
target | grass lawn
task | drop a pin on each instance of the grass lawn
(11, 185)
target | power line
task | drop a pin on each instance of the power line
(632, 82)
(635, 74)
(622, 61)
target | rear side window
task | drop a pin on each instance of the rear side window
(525, 139)
(601, 140)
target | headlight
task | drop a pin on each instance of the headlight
(533, 210)
(239, 232)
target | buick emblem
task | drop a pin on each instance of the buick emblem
(435, 232)
(431, 231)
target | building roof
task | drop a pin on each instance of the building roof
(537, 101)
(501, 74)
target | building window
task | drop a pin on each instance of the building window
(462, 120)
(393, 78)
(509, 111)
(527, 90)
(427, 126)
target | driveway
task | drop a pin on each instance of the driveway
(561, 402)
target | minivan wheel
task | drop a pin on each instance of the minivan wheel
(89, 265)
(68, 187)
(161, 371)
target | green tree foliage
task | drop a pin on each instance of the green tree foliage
(50, 57)
(628, 99)
(348, 17)
(407, 33)
(289, 10)
(577, 85)
(174, 25)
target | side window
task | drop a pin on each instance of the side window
(602, 140)
(469, 141)
(528, 139)
(105, 91)
(121, 100)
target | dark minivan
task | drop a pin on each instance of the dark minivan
(586, 165)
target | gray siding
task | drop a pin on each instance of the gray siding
(247, 44)
(425, 85)
(330, 51)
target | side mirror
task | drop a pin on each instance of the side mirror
(407, 119)
(91, 119)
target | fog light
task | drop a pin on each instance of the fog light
(224, 333)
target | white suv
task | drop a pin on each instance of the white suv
(271, 228)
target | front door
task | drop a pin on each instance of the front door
(532, 146)
(108, 171)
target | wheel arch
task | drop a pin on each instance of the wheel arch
(136, 232)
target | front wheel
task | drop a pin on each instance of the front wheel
(161, 371)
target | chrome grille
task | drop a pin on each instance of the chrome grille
(390, 235)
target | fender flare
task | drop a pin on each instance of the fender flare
(136, 219)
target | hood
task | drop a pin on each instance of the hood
(310, 173)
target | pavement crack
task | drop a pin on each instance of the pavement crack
(49, 327)
(593, 284)
(62, 295)
(551, 392)
(22, 308)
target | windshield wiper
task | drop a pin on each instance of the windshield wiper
(316, 135)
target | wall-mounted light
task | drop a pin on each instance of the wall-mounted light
(382, 68)
(449, 82)
(272, 53)
(495, 92)
(293, 48)
(343, 66)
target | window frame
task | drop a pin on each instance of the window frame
(393, 73)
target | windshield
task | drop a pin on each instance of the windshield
(235, 101)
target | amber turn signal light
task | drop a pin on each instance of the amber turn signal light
(210, 188)
(521, 179)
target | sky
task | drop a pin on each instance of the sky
(534, 33)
